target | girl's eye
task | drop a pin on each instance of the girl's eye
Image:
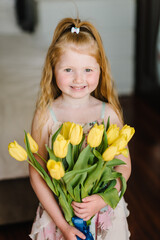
(88, 70)
(68, 70)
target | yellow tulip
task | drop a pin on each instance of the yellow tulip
(65, 129)
(17, 152)
(112, 133)
(55, 169)
(125, 152)
(109, 153)
(32, 143)
(95, 135)
(128, 131)
(120, 143)
(60, 146)
(75, 134)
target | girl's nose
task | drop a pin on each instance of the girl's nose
(78, 77)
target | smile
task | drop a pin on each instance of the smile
(78, 88)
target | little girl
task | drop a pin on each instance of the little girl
(76, 86)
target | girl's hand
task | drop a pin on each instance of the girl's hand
(70, 233)
(89, 207)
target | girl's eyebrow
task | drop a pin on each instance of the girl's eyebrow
(71, 66)
(90, 67)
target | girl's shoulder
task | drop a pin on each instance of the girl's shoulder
(42, 121)
(111, 113)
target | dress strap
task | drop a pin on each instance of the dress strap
(103, 110)
(53, 114)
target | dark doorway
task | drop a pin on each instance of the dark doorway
(148, 51)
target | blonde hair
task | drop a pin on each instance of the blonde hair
(88, 36)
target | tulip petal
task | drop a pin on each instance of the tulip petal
(55, 169)
(17, 152)
(112, 133)
(33, 145)
(75, 134)
(60, 146)
(127, 131)
(109, 153)
(95, 135)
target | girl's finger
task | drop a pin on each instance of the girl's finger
(79, 205)
(86, 218)
(80, 234)
(82, 215)
(79, 210)
(89, 198)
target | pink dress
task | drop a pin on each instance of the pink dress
(108, 224)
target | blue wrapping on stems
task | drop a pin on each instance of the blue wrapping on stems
(81, 225)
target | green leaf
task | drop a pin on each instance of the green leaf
(107, 176)
(105, 141)
(98, 155)
(124, 186)
(84, 193)
(30, 154)
(104, 179)
(37, 165)
(75, 152)
(110, 197)
(84, 156)
(111, 185)
(70, 190)
(55, 184)
(77, 193)
(71, 174)
(108, 123)
(69, 158)
(80, 145)
(74, 186)
(51, 154)
(67, 209)
(93, 176)
(115, 162)
(55, 135)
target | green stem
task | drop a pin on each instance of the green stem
(41, 157)
(35, 168)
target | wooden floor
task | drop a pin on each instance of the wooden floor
(143, 192)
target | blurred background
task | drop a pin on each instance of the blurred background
(130, 32)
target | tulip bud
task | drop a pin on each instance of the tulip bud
(75, 134)
(109, 153)
(112, 133)
(17, 152)
(124, 152)
(128, 131)
(95, 135)
(120, 143)
(60, 146)
(65, 129)
(55, 169)
(33, 145)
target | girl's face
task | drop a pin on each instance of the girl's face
(77, 74)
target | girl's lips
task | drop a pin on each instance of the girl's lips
(78, 88)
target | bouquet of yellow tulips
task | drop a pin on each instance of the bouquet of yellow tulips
(76, 171)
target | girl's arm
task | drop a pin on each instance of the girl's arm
(124, 169)
(41, 189)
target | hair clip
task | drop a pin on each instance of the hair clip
(75, 30)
